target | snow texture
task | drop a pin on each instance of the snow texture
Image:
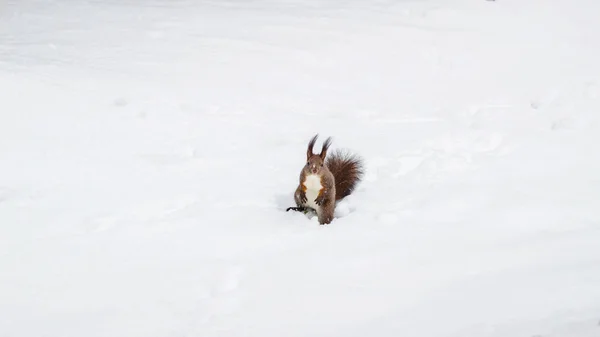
(149, 149)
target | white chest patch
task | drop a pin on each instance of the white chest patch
(313, 186)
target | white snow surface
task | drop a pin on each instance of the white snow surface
(148, 150)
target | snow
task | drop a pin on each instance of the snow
(149, 149)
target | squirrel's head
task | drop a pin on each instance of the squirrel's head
(316, 162)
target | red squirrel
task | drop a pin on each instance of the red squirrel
(326, 179)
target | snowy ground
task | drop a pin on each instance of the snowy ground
(148, 150)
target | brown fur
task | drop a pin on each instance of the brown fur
(348, 171)
(339, 174)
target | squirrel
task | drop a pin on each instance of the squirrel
(326, 179)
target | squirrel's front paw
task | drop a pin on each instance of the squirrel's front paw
(320, 200)
(302, 197)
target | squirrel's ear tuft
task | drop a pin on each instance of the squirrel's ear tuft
(311, 144)
(326, 145)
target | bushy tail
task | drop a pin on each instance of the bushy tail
(347, 169)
